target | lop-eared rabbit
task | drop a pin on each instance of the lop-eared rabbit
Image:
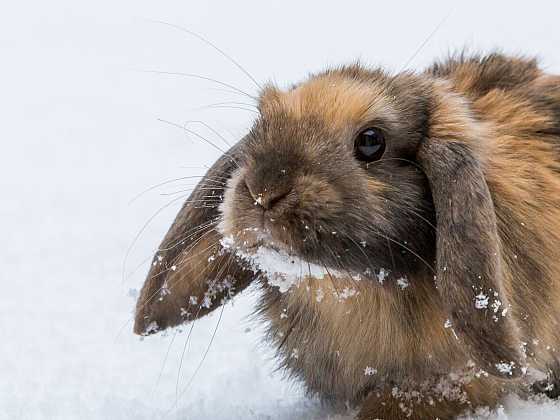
(404, 231)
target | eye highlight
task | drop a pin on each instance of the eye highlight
(369, 145)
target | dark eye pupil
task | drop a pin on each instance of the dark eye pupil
(370, 145)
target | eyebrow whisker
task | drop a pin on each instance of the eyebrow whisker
(211, 44)
(198, 76)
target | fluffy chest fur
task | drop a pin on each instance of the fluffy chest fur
(344, 337)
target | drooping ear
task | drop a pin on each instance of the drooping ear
(191, 273)
(469, 272)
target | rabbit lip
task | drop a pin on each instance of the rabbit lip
(267, 244)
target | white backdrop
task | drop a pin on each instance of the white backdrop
(80, 137)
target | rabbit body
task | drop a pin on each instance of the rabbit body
(442, 258)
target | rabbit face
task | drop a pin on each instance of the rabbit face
(328, 174)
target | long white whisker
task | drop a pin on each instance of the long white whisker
(211, 44)
(428, 38)
(198, 76)
(209, 127)
(164, 362)
(200, 137)
(169, 181)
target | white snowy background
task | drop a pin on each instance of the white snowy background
(80, 137)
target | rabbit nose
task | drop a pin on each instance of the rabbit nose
(267, 197)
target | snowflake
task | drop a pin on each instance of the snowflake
(505, 367)
(481, 301)
(382, 275)
(369, 371)
(403, 282)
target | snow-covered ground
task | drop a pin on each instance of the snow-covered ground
(80, 138)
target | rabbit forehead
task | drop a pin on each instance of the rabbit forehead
(337, 100)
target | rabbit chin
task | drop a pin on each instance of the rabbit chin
(279, 266)
(282, 267)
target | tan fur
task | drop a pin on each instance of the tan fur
(389, 343)
(335, 99)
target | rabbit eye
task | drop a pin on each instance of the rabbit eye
(369, 145)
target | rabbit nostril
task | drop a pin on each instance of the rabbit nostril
(273, 200)
(268, 198)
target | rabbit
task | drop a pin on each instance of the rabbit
(422, 213)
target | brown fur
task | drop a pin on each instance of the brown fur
(464, 203)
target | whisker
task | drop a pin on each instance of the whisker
(205, 352)
(215, 146)
(164, 362)
(135, 240)
(356, 285)
(177, 396)
(428, 38)
(233, 92)
(232, 107)
(155, 293)
(391, 253)
(195, 167)
(179, 266)
(209, 188)
(340, 266)
(198, 76)
(138, 267)
(410, 209)
(200, 137)
(371, 266)
(395, 158)
(225, 103)
(177, 192)
(206, 201)
(209, 127)
(330, 276)
(191, 188)
(406, 248)
(169, 181)
(190, 232)
(211, 44)
(360, 248)
(187, 340)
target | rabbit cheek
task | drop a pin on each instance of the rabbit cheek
(241, 218)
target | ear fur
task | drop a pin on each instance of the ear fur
(191, 273)
(469, 273)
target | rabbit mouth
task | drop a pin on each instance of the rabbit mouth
(284, 265)
(278, 266)
(283, 268)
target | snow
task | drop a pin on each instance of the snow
(382, 275)
(481, 301)
(81, 138)
(505, 367)
(280, 268)
(369, 371)
(402, 282)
